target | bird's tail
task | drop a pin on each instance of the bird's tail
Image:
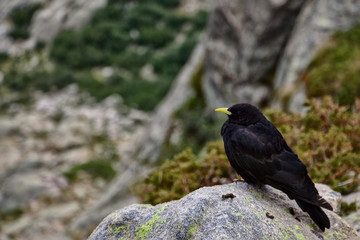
(316, 213)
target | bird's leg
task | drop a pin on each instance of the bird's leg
(240, 179)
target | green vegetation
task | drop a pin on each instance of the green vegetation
(96, 168)
(21, 19)
(186, 173)
(346, 208)
(101, 165)
(335, 70)
(125, 36)
(11, 215)
(326, 140)
(3, 57)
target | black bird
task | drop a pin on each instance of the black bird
(259, 153)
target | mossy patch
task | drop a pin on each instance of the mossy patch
(298, 236)
(346, 208)
(185, 173)
(96, 168)
(143, 231)
(336, 68)
(192, 230)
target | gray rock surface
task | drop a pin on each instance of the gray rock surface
(253, 213)
(354, 220)
(42, 141)
(62, 14)
(317, 21)
(245, 39)
(352, 197)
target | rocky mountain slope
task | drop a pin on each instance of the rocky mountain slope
(72, 147)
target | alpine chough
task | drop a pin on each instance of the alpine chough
(259, 153)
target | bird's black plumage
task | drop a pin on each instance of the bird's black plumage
(259, 153)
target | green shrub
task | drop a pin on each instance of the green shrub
(335, 70)
(155, 37)
(129, 60)
(327, 141)
(18, 33)
(127, 37)
(95, 168)
(136, 92)
(38, 79)
(200, 20)
(11, 215)
(170, 61)
(21, 19)
(4, 57)
(184, 174)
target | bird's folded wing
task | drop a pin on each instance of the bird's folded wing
(278, 166)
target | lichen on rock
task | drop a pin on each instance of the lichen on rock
(204, 214)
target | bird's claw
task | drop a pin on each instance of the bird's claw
(236, 180)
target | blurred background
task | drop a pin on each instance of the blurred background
(109, 103)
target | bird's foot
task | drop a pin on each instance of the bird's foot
(235, 180)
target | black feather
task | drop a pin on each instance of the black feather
(259, 153)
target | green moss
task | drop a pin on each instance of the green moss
(285, 234)
(239, 214)
(192, 230)
(114, 229)
(143, 231)
(335, 70)
(346, 208)
(298, 236)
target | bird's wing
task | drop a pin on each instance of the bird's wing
(266, 157)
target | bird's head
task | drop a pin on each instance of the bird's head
(243, 113)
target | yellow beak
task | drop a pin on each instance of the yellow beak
(223, 110)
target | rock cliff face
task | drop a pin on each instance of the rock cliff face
(249, 213)
(52, 17)
(317, 21)
(257, 51)
(245, 40)
(62, 15)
